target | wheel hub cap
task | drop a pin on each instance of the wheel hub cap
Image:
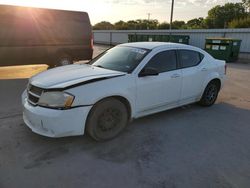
(211, 93)
(109, 119)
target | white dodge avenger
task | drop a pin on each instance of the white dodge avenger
(126, 82)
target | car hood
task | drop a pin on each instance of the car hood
(66, 76)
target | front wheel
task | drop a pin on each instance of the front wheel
(107, 119)
(210, 94)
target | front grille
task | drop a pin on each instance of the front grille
(36, 90)
(34, 93)
(33, 99)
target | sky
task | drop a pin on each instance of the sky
(115, 10)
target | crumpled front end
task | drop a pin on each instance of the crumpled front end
(54, 122)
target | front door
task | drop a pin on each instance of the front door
(163, 89)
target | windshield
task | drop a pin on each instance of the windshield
(121, 58)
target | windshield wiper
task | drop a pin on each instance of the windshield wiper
(99, 66)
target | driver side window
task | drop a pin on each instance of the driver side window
(163, 61)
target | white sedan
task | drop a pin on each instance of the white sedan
(126, 82)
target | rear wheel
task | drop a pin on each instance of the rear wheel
(62, 60)
(210, 94)
(107, 119)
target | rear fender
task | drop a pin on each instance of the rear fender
(211, 76)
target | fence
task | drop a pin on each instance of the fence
(197, 37)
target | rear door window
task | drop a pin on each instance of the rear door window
(189, 58)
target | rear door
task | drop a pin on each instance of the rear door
(164, 89)
(194, 73)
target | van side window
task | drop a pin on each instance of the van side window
(163, 61)
(189, 58)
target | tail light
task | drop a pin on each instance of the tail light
(92, 41)
(225, 69)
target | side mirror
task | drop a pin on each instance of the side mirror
(148, 71)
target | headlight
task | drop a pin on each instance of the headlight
(56, 99)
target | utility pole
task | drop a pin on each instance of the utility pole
(149, 14)
(171, 17)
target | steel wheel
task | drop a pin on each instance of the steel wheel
(63, 60)
(107, 119)
(210, 94)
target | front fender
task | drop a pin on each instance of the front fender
(90, 94)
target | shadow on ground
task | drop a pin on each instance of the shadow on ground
(189, 146)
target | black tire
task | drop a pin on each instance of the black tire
(210, 94)
(107, 119)
(63, 60)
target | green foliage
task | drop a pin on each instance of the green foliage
(240, 23)
(196, 23)
(129, 25)
(121, 25)
(132, 24)
(142, 24)
(232, 15)
(178, 24)
(164, 25)
(246, 3)
(220, 16)
(153, 24)
(103, 25)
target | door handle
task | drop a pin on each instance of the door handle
(175, 76)
(204, 69)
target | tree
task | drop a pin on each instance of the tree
(246, 3)
(121, 25)
(232, 15)
(240, 23)
(220, 16)
(178, 24)
(163, 25)
(196, 23)
(132, 25)
(103, 26)
(152, 24)
(142, 24)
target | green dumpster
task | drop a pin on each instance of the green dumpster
(158, 38)
(164, 38)
(184, 39)
(223, 48)
(132, 38)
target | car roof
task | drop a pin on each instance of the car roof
(152, 45)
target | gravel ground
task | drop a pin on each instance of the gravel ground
(191, 146)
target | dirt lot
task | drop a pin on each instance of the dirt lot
(186, 147)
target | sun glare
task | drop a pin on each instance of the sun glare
(96, 9)
(32, 3)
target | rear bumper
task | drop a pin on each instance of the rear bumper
(55, 123)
